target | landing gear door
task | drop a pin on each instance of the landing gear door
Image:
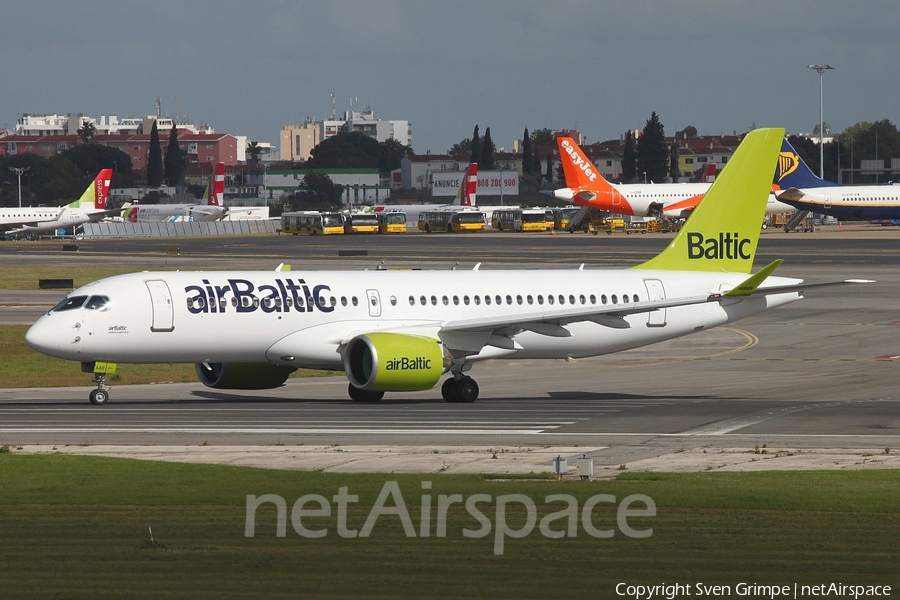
(161, 303)
(656, 291)
(374, 303)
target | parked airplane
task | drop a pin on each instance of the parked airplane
(803, 190)
(465, 197)
(211, 209)
(393, 331)
(587, 187)
(91, 206)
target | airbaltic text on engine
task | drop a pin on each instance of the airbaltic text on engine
(247, 298)
(418, 363)
(726, 246)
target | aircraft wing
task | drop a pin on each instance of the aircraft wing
(797, 194)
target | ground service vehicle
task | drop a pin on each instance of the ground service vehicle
(312, 223)
(391, 222)
(360, 223)
(519, 219)
(564, 215)
(451, 221)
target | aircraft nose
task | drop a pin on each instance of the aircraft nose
(43, 337)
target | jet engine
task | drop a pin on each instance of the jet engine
(393, 362)
(243, 376)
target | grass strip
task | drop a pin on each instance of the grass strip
(79, 527)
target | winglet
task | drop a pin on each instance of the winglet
(723, 231)
(749, 285)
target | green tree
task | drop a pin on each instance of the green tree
(154, 159)
(475, 153)
(174, 160)
(352, 150)
(548, 173)
(536, 161)
(488, 160)
(674, 170)
(652, 154)
(543, 137)
(86, 132)
(688, 132)
(391, 152)
(461, 149)
(629, 168)
(90, 158)
(318, 192)
(253, 152)
(526, 154)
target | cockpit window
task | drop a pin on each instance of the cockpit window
(97, 303)
(69, 303)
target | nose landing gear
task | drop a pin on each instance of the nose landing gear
(100, 395)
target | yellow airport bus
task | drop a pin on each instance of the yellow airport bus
(312, 223)
(451, 220)
(366, 222)
(519, 219)
(391, 222)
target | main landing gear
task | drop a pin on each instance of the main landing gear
(462, 389)
(363, 395)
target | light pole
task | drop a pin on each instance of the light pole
(18, 171)
(821, 69)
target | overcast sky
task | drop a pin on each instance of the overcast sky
(598, 66)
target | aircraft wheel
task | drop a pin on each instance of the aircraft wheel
(359, 395)
(448, 390)
(466, 390)
(98, 397)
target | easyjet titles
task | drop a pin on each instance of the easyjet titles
(578, 161)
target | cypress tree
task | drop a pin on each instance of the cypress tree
(548, 174)
(628, 166)
(652, 155)
(154, 159)
(526, 153)
(174, 167)
(475, 156)
(536, 161)
(487, 161)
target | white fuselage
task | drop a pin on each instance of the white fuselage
(43, 218)
(305, 318)
(639, 199)
(173, 212)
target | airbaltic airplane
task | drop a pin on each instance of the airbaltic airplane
(587, 187)
(91, 206)
(465, 198)
(805, 191)
(211, 209)
(393, 331)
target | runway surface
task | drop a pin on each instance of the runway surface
(818, 373)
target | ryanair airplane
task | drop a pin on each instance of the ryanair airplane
(398, 331)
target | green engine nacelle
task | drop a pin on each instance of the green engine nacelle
(393, 362)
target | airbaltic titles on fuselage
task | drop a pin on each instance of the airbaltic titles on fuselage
(242, 296)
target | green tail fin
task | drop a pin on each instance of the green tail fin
(87, 198)
(722, 232)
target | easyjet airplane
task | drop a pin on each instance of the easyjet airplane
(398, 331)
(587, 187)
(211, 209)
(91, 206)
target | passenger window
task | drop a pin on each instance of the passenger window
(466, 300)
(393, 300)
(423, 301)
(529, 299)
(582, 299)
(562, 299)
(615, 299)
(487, 299)
(518, 299)
(603, 299)
(477, 300)
(445, 300)
(509, 299)
(540, 299)
(549, 299)
(498, 299)
(593, 299)
(355, 301)
(572, 299)
(412, 300)
(344, 300)
(434, 300)
(456, 300)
